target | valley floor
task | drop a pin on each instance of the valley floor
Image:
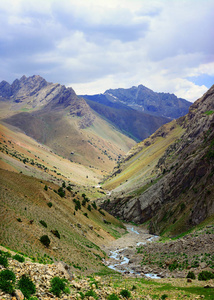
(141, 254)
(106, 285)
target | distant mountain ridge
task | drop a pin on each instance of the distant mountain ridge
(137, 111)
(53, 115)
(144, 99)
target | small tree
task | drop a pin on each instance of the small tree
(45, 240)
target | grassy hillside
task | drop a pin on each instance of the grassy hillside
(136, 124)
(20, 153)
(65, 135)
(26, 201)
(139, 163)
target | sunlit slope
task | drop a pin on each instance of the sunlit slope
(66, 136)
(25, 201)
(21, 153)
(139, 163)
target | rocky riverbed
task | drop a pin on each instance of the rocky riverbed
(140, 254)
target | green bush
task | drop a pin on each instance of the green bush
(8, 275)
(56, 233)
(46, 188)
(61, 192)
(3, 261)
(205, 275)
(125, 294)
(43, 223)
(78, 204)
(6, 254)
(173, 266)
(45, 240)
(91, 293)
(50, 204)
(94, 205)
(19, 258)
(163, 297)
(113, 297)
(7, 281)
(191, 275)
(58, 286)
(68, 188)
(26, 286)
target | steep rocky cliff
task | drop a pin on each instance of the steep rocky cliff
(183, 193)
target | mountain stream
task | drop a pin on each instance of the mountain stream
(120, 251)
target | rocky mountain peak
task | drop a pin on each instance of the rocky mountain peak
(144, 99)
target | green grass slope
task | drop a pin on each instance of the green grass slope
(139, 163)
(25, 201)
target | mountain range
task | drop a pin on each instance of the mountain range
(71, 167)
(137, 111)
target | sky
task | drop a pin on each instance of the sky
(95, 45)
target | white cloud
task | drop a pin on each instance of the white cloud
(96, 45)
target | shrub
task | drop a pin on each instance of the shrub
(163, 297)
(5, 254)
(7, 280)
(86, 215)
(68, 188)
(78, 204)
(46, 188)
(43, 223)
(45, 240)
(26, 286)
(50, 204)
(94, 205)
(3, 261)
(58, 286)
(173, 266)
(91, 293)
(125, 294)
(113, 297)
(56, 233)
(8, 275)
(19, 258)
(205, 275)
(100, 211)
(61, 192)
(89, 207)
(191, 275)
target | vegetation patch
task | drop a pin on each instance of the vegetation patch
(59, 286)
(209, 112)
(19, 258)
(7, 281)
(45, 240)
(26, 285)
(43, 223)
